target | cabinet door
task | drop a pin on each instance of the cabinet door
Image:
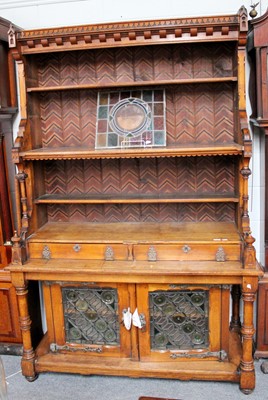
(181, 322)
(88, 318)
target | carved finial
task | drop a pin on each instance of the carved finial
(11, 36)
(250, 252)
(243, 14)
(253, 13)
(16, 249)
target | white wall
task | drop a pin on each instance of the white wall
(30, 14)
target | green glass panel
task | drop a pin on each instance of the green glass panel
(159, 138)
(112, 140)
(103, 112)
(147, 95)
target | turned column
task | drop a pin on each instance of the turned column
(235, 324)
(247, 380)
(28, 357)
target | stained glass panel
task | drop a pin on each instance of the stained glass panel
(131, 118)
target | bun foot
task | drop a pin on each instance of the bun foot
(31, 378)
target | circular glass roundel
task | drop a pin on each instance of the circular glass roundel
(130, 117)
(160, 299)
(107, 297)
(161, 339)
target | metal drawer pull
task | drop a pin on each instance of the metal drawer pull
(109, 254)
(77, 248)
(186, 248)
(152, 254)
(220, 254)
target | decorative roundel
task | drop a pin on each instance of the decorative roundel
(130, 117)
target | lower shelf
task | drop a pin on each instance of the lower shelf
(183, 370)
(87, 364)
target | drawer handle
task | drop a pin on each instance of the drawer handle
(220, 254)
(109, 254)
(46, 253)
(186, 248)
(152, 254)
(77, 248)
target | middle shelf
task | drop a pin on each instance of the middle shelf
(184, 150)
(127, 199)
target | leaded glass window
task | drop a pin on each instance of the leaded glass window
(132, 118)
(179, 319)
(91, 315)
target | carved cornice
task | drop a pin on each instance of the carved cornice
(132, 33)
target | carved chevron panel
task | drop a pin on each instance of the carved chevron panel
(178, 176)
(55, 177)
(130, 175)
(224, 113)
(87, 121)
(86, 71)
(49, 70)
(148, 176)
(183, 61)
(186, 175)
(123, 61)
(143, 65)
(92, 176)
(50, 116)
(142, 213)
(223, 62)
(167, 174)
(163, 68)
(68, 69)
(110, 176)
(104, 63)
(135, 64)
(68, 118)
(201, 113)
(71, 118)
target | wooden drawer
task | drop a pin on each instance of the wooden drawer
(188, 252)
(79, 251)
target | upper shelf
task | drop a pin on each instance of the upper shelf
(74, 153)
(131, 84)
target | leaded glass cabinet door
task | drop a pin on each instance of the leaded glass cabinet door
(88, 318)
(181, 322)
